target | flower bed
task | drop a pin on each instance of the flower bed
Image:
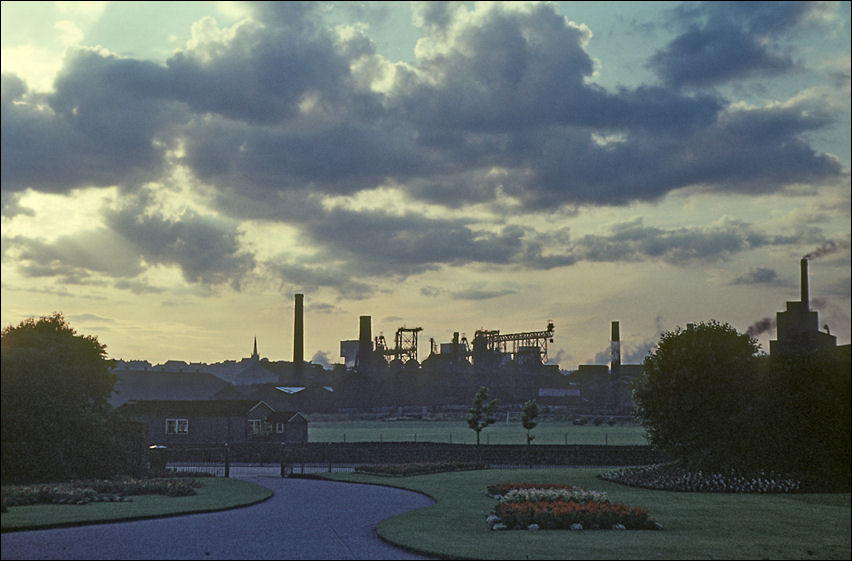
(402, 470)
(538, 495)
(501, 489)
(101, 490)
(671, 477)
(554, 506)
(566, 515)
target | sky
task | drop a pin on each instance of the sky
(173, 173)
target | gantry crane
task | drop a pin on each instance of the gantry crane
(488, 341)
(405, 344)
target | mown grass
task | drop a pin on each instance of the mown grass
(695, 526)
(547, 432)
(213, 494)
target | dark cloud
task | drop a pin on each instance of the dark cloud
(408, 244)
(104, 125)
(633, 241)
(206, 249)
(759, 275)
(76, 258)
(730, 40)
(309, 276)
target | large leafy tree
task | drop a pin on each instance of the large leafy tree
(55, 411)
(481, 414)
(695, 394)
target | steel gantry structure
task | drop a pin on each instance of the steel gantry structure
(513, 343)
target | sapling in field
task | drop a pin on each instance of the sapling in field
(481, 414)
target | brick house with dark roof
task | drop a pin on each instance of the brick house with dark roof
(288, 426)
(207, 422)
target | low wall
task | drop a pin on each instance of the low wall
(425, 452)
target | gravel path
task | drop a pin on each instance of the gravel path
(305, 519)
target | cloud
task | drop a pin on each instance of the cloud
(276, 112)
(78, 258)
(722, 42)
(307, 276)
(276, 115)
(633, 241)
(206, 249)
(480, 294)
(759, 275)
(89, 318)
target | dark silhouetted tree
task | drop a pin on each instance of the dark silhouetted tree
(695, 395)
(55, 412)
(481, 414)
(801, 423)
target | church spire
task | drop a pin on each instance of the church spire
(254, 353)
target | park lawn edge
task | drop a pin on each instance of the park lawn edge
(833, 545)
(261, 494)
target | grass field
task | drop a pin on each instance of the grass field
(457, 432)
(215, 493)
(695, 526)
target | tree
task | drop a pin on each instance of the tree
(528, 416)
(55, 411)
(695, 395)
(802, 416)
(481, 415)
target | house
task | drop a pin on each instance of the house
(140, 385)
(288, 426)
(312, 398)
(206, 422)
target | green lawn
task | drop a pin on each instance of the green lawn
(696, 526)
(548, 432)
(215, 493)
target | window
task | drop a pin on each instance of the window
(279, 428)
(254, 426)
(177, 426)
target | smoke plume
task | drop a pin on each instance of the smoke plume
(762, 326)
(827, 249)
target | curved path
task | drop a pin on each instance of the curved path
(305, 519)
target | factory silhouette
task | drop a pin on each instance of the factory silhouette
(378, 376)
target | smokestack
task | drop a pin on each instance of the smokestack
(299, 332)
(365, 344)
(805, 303)
(615, 351)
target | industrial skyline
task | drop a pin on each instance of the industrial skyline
(173, 174)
